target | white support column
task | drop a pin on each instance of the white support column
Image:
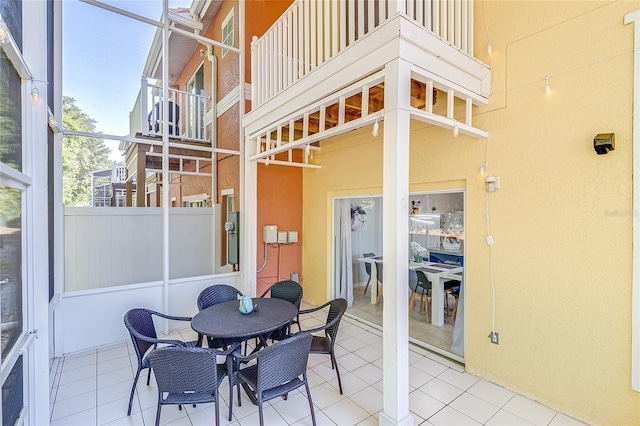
(249, 220)
(165, 163)
(35, 217)
(395, 235)
(635, 313)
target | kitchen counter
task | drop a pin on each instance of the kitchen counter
(440, 250)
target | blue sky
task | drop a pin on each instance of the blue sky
(103, 58)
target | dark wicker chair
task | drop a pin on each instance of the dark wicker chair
(290, 291)
(325, 344)
(213, 295)
(277, 371)
(189, 375)
(139, 322)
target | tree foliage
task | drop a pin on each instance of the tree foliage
(81, 155)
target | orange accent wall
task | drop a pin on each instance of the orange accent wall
(279, 188)
(259, 16)
(279, 203)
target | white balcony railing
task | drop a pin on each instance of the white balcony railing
(186, 115)
(311, 32)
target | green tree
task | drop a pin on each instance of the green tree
(81, 155)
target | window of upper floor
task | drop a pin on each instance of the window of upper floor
(227, 32)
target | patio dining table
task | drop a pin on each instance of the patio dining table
(225, 321)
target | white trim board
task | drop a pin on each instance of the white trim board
(228, 101)
(635, 298)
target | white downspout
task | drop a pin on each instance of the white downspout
(248, 178)
(635, 296)
(214, 124)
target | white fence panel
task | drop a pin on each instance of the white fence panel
(121, 246)
(94, 318)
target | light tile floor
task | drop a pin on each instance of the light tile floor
(92, 388)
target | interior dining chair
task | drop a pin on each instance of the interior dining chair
(367, 268)
(415, 289)
(379, 278)
(278, 370)
(139, 322)
(449, 285)
(456, 295)
(325, 344)
(189, 375)
(425, 289)
(213, 295)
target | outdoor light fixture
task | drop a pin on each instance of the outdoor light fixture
(374, 133)
(3, 35)
(547, 88)
(53, 124)
(35, 95)
(266, 161)
(483, 169)
(489, 47)
(456, 130)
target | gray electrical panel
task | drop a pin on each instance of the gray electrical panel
(233, 244)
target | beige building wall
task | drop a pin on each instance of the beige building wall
(561, 221)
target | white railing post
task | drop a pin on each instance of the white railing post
(396, 6)
(144, 106)
(254, 74)
(361, 19)
(313, 23)
(470, 27)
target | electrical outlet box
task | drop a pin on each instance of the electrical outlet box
(269, 234)
(292, 237)
(492, 183)
(495, 338)
(282, 237)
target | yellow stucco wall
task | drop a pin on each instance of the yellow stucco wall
(561, 221)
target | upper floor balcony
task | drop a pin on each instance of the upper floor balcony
(186, 114)
(320, 69)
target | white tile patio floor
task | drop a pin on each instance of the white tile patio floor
(92, 388)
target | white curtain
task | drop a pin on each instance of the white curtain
(457, 346)
(343, 275)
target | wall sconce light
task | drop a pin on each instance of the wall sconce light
(604, 142)
(456, 130)
(374, 132)
(35, 95)
(3, 35)
(547, 87)
(489, 48)
(483, 169)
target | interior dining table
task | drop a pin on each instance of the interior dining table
(225, 321)
(437, 274)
